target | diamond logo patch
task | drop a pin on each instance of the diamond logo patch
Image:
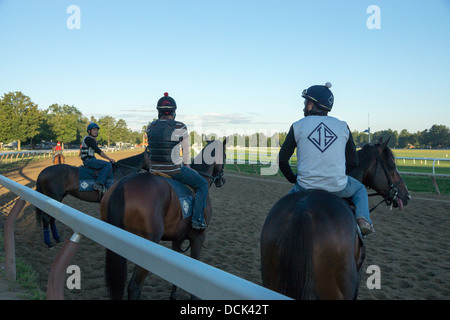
(322, 137)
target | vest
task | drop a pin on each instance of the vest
(163, 142)
(321, 142)
(86, 152)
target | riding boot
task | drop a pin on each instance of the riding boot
(55, 233)
(47, 240)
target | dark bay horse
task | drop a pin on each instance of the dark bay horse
(310, 246)
(59, 159)
(146, 205)
(57, 181)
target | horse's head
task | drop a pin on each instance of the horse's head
(381, 174)
(210, 163)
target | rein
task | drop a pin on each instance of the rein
(393, 191)
(127, 166)
(219, 175)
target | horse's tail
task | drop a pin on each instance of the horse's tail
(296, 257)
(116, 265)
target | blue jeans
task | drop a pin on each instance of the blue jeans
(354, 190)
(105, 168)
(193, 179)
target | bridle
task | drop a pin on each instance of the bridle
(213, 178)
(393, 191)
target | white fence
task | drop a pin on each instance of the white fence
(253, 158)
(14, 156)
(200, 279)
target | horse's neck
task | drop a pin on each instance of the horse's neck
(357, 173)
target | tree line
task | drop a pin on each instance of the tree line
(437, 137)
(21, 120)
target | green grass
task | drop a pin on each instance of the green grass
(26, 278)
(414, 183)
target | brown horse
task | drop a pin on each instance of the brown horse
(57, 181)
(310, 246)
(147, 205)
(59, 159)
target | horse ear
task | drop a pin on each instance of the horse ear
(205, 137)
(385, 144)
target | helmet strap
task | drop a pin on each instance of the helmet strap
(315, 111)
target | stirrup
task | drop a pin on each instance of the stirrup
(198, 225)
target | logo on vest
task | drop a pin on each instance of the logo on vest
(322, 137)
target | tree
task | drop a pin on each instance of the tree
(404, 139)
(20, 117)
(64, 121)
(437, 137)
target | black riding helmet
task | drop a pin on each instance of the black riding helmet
(166, 105)
(321, 96)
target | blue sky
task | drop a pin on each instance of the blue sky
(232, 65)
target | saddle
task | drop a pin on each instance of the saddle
(87, 177)
(184, 192)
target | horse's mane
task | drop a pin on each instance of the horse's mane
(132, 161)
(387, 155)
(202, 166)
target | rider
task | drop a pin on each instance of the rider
(88, 150)
(164, 137)
(58, 149)
(325, 153)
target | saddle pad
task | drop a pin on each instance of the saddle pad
(87, 178)
(184, 195)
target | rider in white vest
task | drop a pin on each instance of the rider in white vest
(325, 153)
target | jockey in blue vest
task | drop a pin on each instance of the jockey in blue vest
(325, 153)
(165, 137)
(88, 150)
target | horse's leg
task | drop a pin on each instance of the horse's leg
(135, 285)
(45, 223)
(197, 240)
(55, 233)
(176, 246)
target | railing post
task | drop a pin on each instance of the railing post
(10, 245)
(55, 284)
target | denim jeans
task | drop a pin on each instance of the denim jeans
(195, 180)
(105, 168)
(354, 190)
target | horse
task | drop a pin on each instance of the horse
(59, 159)
(146, 205)
(311, 247)
(57, 181)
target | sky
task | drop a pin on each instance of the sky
(234, 65)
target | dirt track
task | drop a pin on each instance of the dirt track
(410, 246)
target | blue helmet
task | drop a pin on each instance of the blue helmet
(92, 125)
(321, 96)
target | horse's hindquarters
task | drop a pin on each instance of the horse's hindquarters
(307, 247)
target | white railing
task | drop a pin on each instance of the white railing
(198, 278)
(433, 160)
(252, 157)
(14, 156)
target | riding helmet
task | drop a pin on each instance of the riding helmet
(321, 96)
(166, 103)
(92, 125)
